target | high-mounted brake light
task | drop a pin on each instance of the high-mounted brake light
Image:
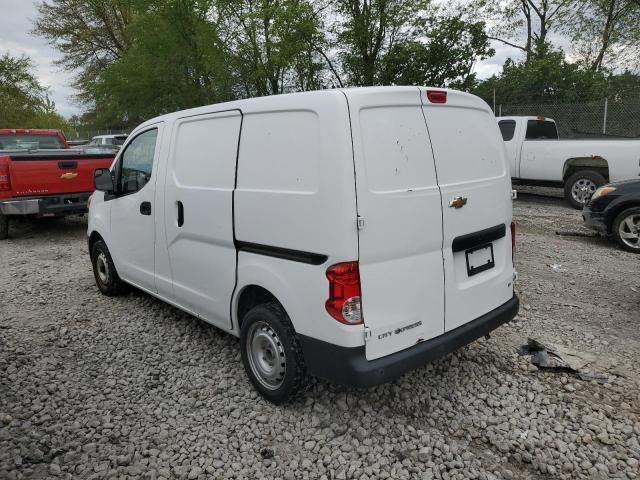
(5, 178)
(513, 240)
(437, 96)
(344, 293)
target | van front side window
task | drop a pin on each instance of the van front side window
(136, 162)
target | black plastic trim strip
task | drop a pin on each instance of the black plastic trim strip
(349, 365)
(283, 253)
(61, 156)
(481, 237)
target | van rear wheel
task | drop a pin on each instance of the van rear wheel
(271, 353)
(580, 186)
(104, 271)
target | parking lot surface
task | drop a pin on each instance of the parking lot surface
(94, 387)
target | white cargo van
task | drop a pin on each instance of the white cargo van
(351, 234)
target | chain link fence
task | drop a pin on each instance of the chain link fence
(605, 118)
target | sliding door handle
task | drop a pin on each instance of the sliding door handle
(145, 208)
(180, 214)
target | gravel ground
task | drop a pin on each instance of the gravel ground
(94, 387)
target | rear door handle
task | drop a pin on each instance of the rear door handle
(180, 214)
(145, 208)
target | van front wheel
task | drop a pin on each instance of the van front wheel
(271, 353)
(104, 271)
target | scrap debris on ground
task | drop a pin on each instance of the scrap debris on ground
(94, 387)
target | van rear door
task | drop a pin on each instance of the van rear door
(400, 220)
(476, 206)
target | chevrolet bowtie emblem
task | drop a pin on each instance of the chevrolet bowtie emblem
(458, 202)
(68, 176)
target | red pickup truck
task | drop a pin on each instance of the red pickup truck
(43, 183)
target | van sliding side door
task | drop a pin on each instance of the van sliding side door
(198, 213)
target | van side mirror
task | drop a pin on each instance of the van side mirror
(103, 180)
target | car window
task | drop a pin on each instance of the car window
(119, 140)
(136, 162)
(108, 141)
(541, 130)
(507, 128)
(30, 142)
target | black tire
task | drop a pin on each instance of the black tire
(616, 229)
(104, 271)
(591, 180)
(271, 322)
(4, 226)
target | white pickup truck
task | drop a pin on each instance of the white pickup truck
(538, 157)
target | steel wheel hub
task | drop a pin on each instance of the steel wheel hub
(266, 355)
(629, 231)
(582, 190)
(102, 268)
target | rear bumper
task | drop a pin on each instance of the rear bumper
(46, 206)
(594, 220)
(349, 366)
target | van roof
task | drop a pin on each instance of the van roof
(289, 100)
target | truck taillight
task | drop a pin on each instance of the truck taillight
(344, 293)
(513, 240)
(5, 178)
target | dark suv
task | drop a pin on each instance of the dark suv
(614, 209)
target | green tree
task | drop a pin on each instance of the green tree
(90, 34)
(272, 45)
(443, 57)
(546, 79)
(371, 28)
(522, 24)
(23, 100)
(606, 33)
(175, 60)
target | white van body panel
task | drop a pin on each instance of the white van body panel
(398, 198)
(200, 181)
(131, 233)
(295, 190)
(471, 163)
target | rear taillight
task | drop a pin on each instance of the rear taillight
(437, 96)
(344, 293)
(513, 240)
(5, 178)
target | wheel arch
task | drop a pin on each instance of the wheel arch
(93, 238)
(596, 163)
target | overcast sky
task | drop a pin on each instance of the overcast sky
(16, 23)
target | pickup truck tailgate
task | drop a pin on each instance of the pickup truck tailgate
(54, 173)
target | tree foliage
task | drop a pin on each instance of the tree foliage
(23, 100)
(606, 32)
(445, 58)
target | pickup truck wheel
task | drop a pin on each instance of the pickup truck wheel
(626, 229)
(580, 186)
(4, 226)
(104, 271)
(271, 354)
